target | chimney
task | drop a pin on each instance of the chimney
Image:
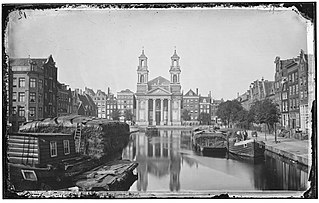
(108, 91)
(80, 91)
(210, 94)
(197, 91)
(237, 94)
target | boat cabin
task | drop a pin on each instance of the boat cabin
(40, 149)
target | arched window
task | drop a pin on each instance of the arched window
(174, 78)
(142, 63)
(142, 79)
(175, 63)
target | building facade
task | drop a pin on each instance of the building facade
(158, 101)
(34, 89)
(64, 104)
(191, 103)
(83, 104)
(214, 108)
(125, 101)
(293, 95)
(304, 91)
(111, 104)
(99, 99)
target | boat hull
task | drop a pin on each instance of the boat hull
(249, 150)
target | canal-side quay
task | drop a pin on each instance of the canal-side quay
(293, 149)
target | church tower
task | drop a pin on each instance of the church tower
(175, 89)
(142, 74)
(175, 74)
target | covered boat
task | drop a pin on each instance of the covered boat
(42, 158)
(209, 141)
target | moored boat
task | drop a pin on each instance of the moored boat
(43, 157)
(209, 141)
(247, 148)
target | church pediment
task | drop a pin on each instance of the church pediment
(158, 91)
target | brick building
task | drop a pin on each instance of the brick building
(125, 101)
(111, 104)
(34, 89)
(64, 100)
(191, 103)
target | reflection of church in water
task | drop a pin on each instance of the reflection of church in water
(158, 101)
(157, 156)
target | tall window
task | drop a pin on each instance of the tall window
(174, 78)
(142, 79)
(14, 96)
(14, 110)
(32, 82)
(21, 96)
(21, 111)
(21, 82)
(40, 83)
(32, 96)
(32, 111)
(39, 97)
(66, 146)
(14, 82)
(53, 149)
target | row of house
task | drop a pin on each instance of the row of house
(195, 104)
(292, 90)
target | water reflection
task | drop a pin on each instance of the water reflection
(168, 163)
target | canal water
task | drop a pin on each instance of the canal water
(168, 163)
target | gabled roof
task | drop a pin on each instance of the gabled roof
(201, 99)
(26, 61)
(89, 91)
(101, 93)
(159, 81)
(158, 91)
(126, 91)
(190, 93)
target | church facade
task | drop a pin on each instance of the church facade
(158, 101)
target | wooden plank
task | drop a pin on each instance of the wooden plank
(19, 160)
(22, 154)
(21, 145)
(21, 137)
(22, 141)
(19, 149)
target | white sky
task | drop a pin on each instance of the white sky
(221, 50)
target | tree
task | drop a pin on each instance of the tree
(229, 111)
(186, 115)
(115, 115)
(204, 118)
(265, 112)
(128, 114)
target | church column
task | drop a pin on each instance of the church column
(162, 111)
(137, 109)
(154, 119)
(169, 112)
(146, 109)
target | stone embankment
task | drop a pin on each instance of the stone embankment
(293, 149)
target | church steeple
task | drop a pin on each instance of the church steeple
(175, 68)
(142, 73)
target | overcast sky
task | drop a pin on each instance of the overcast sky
(221, 50)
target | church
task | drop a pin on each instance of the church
(158, 101)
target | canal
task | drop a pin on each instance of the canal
(168, 163)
